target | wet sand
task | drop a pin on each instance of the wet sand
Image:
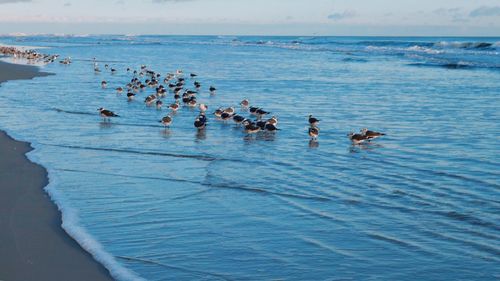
(33, 246)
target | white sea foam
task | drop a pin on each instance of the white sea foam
(71, 224)
(417, 48)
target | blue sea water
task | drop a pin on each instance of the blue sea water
(422, 203)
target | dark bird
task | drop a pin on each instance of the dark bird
(192, 75)
(271, 127)
(261, 124)
(225, 116)
(199, 123)
(159, 103)
(371, 134)
(251, 127)
(253, 110)
(212, 89)
(261, 112)
(106, 114)
(238, 119)
(130, 96)
(357, 138)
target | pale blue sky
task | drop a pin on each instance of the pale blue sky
(263, 17)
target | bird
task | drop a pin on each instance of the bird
(261, 124)
(371, 134)
(244, 103)
(203, 107)
(149, 99)
(251, 127)
(166, 121)
(314, 132)
(261, 112)
(193, 75)
(107, 114)
(104, 84)
(200, 123)
(273, 120)
(238, 119)
(119, 90)
(229, 110)
(130, 96)
(159, 103)
(192, 103)
(357, 138)
(174, 106)
(253, 110)
(225, 116)
(313, 121)
(218, 112)
(212, 90)
(271, 127)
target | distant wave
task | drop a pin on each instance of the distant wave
(467, 45)
(455, 65)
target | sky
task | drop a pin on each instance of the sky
(253, 17)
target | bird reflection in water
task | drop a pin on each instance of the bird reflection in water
(313, 144)
(201, 135)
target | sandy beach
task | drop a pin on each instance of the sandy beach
(33, 246)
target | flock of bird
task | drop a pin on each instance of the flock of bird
(176, 85)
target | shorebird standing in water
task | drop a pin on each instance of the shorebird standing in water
(200, 122)
(104, 84)
(203, 107)
(150, 99)
(251, 127)
(357, 138)
(371, 134)
(245, 103)
(166, 121)
(107, 114)
(175, 106)
(159, 103)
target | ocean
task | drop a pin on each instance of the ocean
(421, 203)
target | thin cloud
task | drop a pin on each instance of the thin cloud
(455, 14)
(341, 16)
(449, 11)
(67, 4)
(485, 11)
(13, 1)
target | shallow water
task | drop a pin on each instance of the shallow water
(420, 203)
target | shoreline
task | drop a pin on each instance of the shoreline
(33, 244)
